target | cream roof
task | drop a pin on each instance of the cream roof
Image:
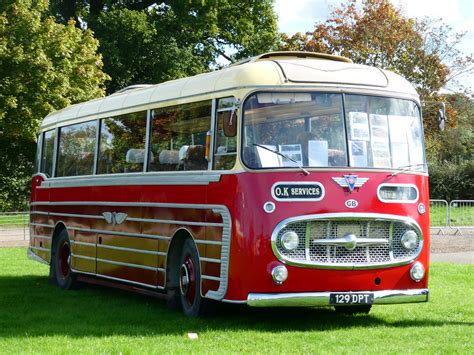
(278, 69)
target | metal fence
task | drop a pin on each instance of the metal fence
(456, 216)
(14, 226)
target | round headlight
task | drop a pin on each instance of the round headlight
(417, 271)
(289, 240)
(279, 274)
(409, 240)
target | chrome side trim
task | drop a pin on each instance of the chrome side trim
(210, 260)
(42, 225)
(321, 299)
(208, 242)
(350, 217)
(133, 250)
(82, 257)
(118, 279)
(137, 266)
(33, 256)
(188, 178)
(132, 219)
(40, 248)
(125, 234)
(213, 278)
(225, 254)
(40, 236)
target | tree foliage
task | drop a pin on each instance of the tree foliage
(378, 34)
(44, 66)
(153, 41)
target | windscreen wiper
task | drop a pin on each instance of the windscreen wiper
(303, 170)
(404, 168)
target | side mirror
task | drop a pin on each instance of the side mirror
(229, 122)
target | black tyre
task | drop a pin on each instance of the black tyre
(60, 269)
(189, 276)
(353, 309)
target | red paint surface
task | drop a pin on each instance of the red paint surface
(251, 255)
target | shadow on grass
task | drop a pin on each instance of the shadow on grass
(30, 306)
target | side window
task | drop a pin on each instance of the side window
(47, 154)
(38, 153)
(122, 144)
(77, 149)
(225, 148)
(178, 137)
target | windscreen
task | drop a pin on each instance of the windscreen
(283, 130)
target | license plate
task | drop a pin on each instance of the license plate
(351, 298)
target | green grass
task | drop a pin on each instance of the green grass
(14, 220)
(459, 216)
(37, 317)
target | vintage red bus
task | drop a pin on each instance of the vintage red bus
(288, 179)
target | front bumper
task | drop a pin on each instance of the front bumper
(321, 299)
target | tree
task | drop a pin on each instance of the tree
(378, 34)
(153, 41)
(44, 66)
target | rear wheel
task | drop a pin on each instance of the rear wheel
(353, 309)
(189, 277)
(61, 262)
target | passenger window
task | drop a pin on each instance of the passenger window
(38, 153)
(122, 144)
(48, 152)
(77, 149)
(178, 137)
(225, 150)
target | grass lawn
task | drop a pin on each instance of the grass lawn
(37, 317)
(459, 216)
(13, 220)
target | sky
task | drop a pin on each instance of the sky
(301, 15)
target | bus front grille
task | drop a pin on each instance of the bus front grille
(347, 241)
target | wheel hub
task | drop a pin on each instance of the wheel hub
(187, 280)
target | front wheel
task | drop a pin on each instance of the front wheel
(189, 276)
(61, 262)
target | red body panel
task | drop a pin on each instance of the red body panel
(251, 255)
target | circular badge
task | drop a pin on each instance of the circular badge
(351, 203)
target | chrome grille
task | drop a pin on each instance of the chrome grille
(372, 241)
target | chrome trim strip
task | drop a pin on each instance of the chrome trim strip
(213, 278)
(42, 225)
(350, 217)
(140, 178)
(33, 256)
(137, 266)
(40, 236)
(125, 234)
(208, 242)
(172, 221)
(225, 254)
(82, 243)
(117, 279)
(82, 257)
(321, 299)
(210, 260)
(133, 250)
(132, 219)
(360, 242)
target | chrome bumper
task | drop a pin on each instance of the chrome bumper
(321, 299)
